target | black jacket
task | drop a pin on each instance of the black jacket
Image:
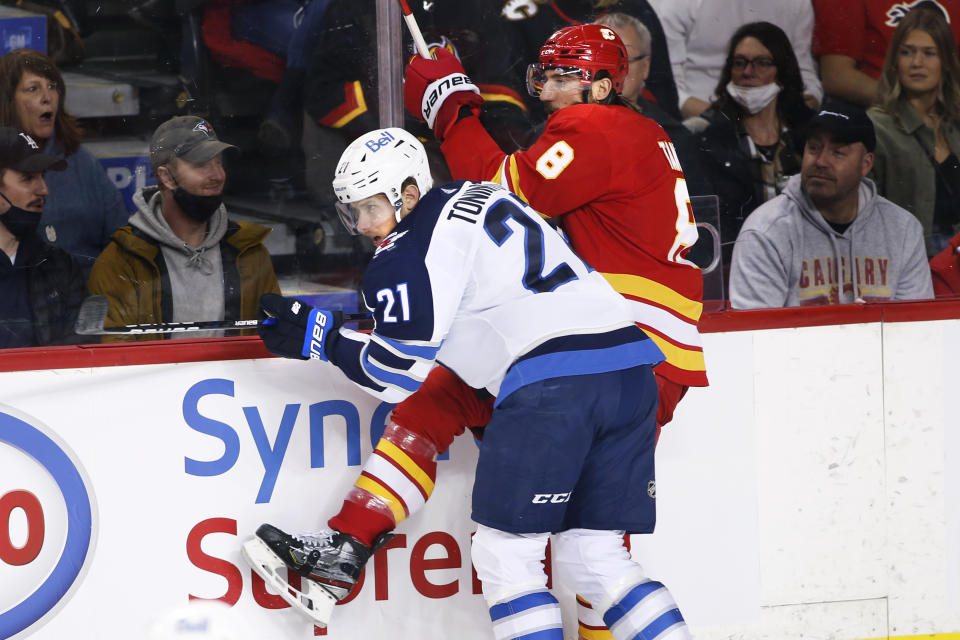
(55, 288)
(736, 176)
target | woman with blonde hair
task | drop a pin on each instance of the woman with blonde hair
(918, 125)
(84, 207)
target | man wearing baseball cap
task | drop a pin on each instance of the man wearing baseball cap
(180, 258)
(41, 286)
(829, 238)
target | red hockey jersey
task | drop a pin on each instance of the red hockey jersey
(613, 178)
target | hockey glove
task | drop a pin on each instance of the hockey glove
(293, 329)
(436, 89)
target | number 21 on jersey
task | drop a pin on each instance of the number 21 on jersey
(686, 226)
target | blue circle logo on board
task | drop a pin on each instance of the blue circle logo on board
(61, 571)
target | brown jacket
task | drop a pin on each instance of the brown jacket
(131, 274)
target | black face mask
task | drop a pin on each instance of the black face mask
(20, 222)
(198, 208)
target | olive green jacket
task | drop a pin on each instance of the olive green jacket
(903, 163)
(132, 274)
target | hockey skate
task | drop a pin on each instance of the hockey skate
(329, 561)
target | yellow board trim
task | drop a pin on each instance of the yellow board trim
(931, 636)
(359, 109)
(655, 292)
(377, 489)
(680, 358)
(396, 454)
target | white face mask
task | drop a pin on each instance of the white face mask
(753, 99)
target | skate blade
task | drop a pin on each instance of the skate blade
(315, 602)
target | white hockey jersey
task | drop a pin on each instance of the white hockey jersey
(477, 280)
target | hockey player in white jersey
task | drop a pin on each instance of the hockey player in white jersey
(466, 274)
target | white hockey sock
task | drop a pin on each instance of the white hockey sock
(645, 612)
(530, 616)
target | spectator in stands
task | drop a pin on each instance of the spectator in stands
(829, 238)
(181, 258)
(918, 126)
(851, 38)
(698, 32)
(636, 38)
(84, 207)
(751, 144)
(41, 286)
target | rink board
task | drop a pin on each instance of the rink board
(813, 490)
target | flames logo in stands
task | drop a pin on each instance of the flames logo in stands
(896, 13)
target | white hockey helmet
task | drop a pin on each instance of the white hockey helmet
(379, 162)
(198, 620)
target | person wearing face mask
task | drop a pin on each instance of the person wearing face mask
(41, 286)
(181, 258)
(748, 137)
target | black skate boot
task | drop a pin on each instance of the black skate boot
(330, 561)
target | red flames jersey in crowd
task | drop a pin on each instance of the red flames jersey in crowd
(862, 29)
(613, 178)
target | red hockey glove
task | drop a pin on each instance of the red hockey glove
(436, 89)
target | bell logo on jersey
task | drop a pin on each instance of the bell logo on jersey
(551, 498)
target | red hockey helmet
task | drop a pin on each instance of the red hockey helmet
(590, 48)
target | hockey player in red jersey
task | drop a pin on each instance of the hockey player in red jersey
(609, 175)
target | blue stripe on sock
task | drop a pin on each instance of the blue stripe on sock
(629, 601)
(529, 601)
(544, 634)
(658, 626)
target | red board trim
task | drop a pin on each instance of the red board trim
(250, 347)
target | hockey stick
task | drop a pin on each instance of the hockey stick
(93, 313)
(414, 28)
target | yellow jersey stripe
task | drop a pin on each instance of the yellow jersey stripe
(394, 452)
(595, 634)
(377, 489)
(655, 292)
(515, 178)
(678, 357)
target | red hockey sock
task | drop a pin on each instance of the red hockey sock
(362, 523)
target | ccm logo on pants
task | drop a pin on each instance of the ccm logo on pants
(552, 498)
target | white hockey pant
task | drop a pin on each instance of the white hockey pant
(515, 585)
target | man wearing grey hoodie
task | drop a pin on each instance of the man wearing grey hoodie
(180, 258)
(829, 238)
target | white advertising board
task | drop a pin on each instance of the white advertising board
(811, 491)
